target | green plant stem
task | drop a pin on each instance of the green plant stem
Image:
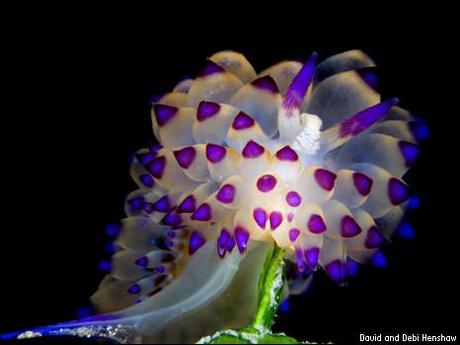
(270, 289)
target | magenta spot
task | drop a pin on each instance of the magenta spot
(362, 183)
(196, 242)
(290, 217)
(316, 224)
(374, 238)
(164, 113)
(266, 83)
(242, 121)
(287, 154)
(185, 156)
(203, 213)
(398, 192)
(252, 150)
(207, 110)
(215, 153)
(349, 227)
(409, 151)
(242, 238)
(187, 205)
(157, 167)
(226, 194)
(209, 69)
(311, 256)
(276, 218)
(293, 199)
(266, 183)
(172, 219)
(260, 216)
(294, 234)
(325, 178)
(300, 262)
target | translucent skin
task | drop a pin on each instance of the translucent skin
(240, 168)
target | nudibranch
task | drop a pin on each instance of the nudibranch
(304, 156)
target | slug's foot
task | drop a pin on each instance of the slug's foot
(249, 335)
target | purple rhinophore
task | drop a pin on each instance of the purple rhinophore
(365, 118)
(325, 178)
(202, 213)
(206, 110)
(409, 151)
(294, 234)
(187, 205)
(349, 227)
(164, 113)
(215, 153)
(142, 261)
(196, 242)
(316, 224)
(172, 219)
(134, 289)
(157, 167)
(185, 156)
(137, 203)
(210, 68)
(260, 216)
(266, 83)
(311, 256)
(363, 183)
(242, 121)
(252, 150)
(398, 192)
(266, 183)
(276, 218)
(286, 153)
(147, 180)
(299, 86)
(226, 193)
(293, 198)
(242, 238)
(374, 238)
(162, 204)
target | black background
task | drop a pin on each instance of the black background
(81, 107)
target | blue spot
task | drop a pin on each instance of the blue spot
(285, 306)
(112, 230)
(84, 312)
(352, 267)
(110, 247)
(379, 260)
(413, 203)
(406, 230)
(105, 266)
(420, 130)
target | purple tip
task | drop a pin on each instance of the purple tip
(325, 178)
(134, 289)
(252, 150)
(352, 267)
(405, 230)
(242, 238)
(196, 242)
(222, 242)
(266, 83)
(157, 167)
(379, 260)
(294, 234)
(287, 154)
(260, 216)
(172, 219)
(231, 244)
(105, 266)
(146, 157)
(209, 69)
(420, 130)
(185, 156)
(311, 256)
(362, 183)
(207, 110)
(242, 121)
(276, 218)
(349, 227)
(147, 180)
(316, 224)
(142, 261)
(203, 213)
(215, 153)
(162, 204)
(334, 270)
(187, 205)
(164, 113)
(409, 151)
(398, 192)
(293, 199)
(374, 238)
(299, 86)
(137, 203)
(226, 194)
(112, 230)
(266, 183)
(364, 119)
